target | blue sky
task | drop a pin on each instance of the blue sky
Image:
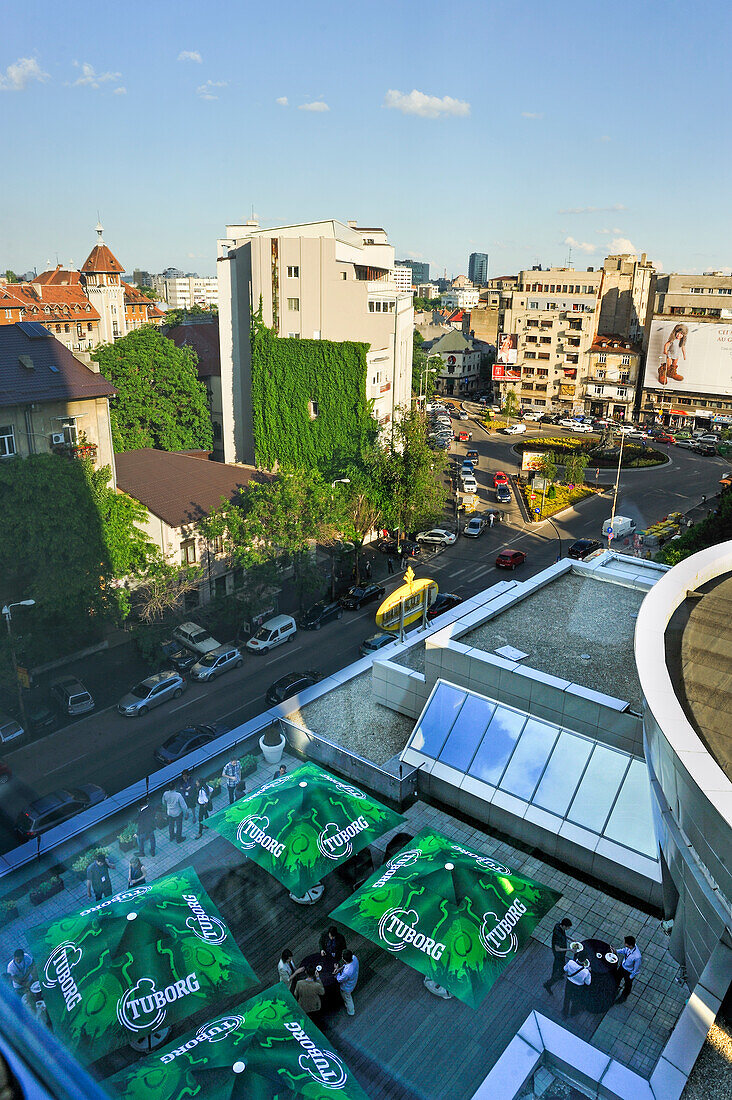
(533, 125)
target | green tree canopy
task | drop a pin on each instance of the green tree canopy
(511, 403)
(407, 476)
(160, 400)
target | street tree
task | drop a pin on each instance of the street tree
(407, 477)
(358, 512)
(548, 467)
(511, 403)
(574, 468)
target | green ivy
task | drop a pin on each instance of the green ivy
(291, 377)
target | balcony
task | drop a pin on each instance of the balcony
(76, 450)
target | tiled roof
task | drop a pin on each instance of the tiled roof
(62, 301)
(49, 372)
(60, 276)
(614, 343)
(9, 300)
(177, 487)
(101, 259)
(452, 341)
(204, 339)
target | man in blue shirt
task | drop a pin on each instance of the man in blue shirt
(347, 976)
(630, 964)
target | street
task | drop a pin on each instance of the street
(113, 751)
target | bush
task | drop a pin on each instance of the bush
(129, 833)
(248, 764)
(81, 864)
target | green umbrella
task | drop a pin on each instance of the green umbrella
(135, 963)
(455, 916)
(303, 825)
(263, 1049)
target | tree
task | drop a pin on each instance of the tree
(177, 316)
(716, 528)
(548, 466)
(11, 277)
(425, 368)
(149, 292)
(574, 468)
(407, 477)
(510, 403)
(163, 587)
(359, 513)
(160, 400)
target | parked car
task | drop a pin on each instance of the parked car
(178, 656)
(704, 449)
(187, 740)
(467, 467)
(462, 415)
(53, 809)
(195, 638)
(281, 628)
(438, 536)
(470, 485)
(509, 559)
(664, 437)
(361, 594)
(376, 642)
(406, 548)
(568, 422)
(217, 661)
(320, 613)
(708, 437)
(444, 601)
(532, 414)
(10, 730)
(550, 418)
(515, 429)
(623, 429)
(582, 427)
(622, 527)
(582, 548)
(500, 478)
(475, 526)
(503, 493)
(40, 710)
(71, 696)
(151, 692)
(290, 685)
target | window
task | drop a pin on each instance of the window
(602, 357)
(344, 274)
(544, 355)
(217, 544)
(697, 290)
(381, 307)
(293, 272)
(622, 393)
(293, 304)
(542, 372)
(533, 305)
(7, 441)
(531, 339)
(598, 390)
(188, 552)
(293, 335)
(625, 360)
(724, 290)
(625, 376)
(678, 311)
(88, 326)
(573, 358)
(530, 355)
(546, 339)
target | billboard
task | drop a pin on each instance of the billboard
(507, 348)
(502, 373)
(689, 357)
(531, 460)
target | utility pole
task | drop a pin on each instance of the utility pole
(615, 491)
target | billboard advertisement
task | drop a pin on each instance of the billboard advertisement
(507, 348)
(689, 357)
(531, 460)
(502, 373)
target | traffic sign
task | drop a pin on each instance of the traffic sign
(609, 532)
(537, 511)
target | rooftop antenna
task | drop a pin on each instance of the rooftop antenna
(569, 256)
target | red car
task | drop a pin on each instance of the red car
(664, 437)
(499, 478)
(509, 559)
(462, 437)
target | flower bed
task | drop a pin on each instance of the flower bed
(634, 456)
(562, 497)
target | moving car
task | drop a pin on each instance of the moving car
(186, 740)
(5, 773)
(473, 456)
(688, 443)
(578, 427)
(462, 437)
(217, 661)
(290, 685)
(503, 493)
(10, 730)
(509, 559)
(462, 415)
(475, 526)
(377, 642)
(438, 536)
(515, 429)
(470, 485)
(151, 692)
(664, 437)
(568, 422)
(71, 696)
(360, 594)
(704, 449)
(319, 613)
(406, 548)
(532, 415)
(195, 638)
(444, 601)
(281, 628)
(53, 809)
(500, 478)
(708, 437)
(582, 548)
(623, 429)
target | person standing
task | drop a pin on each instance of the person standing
(175, 808)
(203, 800)
(286, 968)
(491, 519)
(390, 564)
(309, 991)
(347, 977)
(332, 944)
(630, 964)
(578, 975)
(135, 874)
(21, 970)
(98, 878)
(560, 950)
(232, 777)
(145, 827)
(187, 788)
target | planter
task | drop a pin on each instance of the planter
(126, 845)
(272, 753)
(248, 765)
(10, 912)
(37, 897)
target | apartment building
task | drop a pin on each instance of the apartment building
(420, 270)
(64, 310)
(613, 367)
(687, 346)
(478, 268)
(626, 285)
(461, 295)
(459, 375)
(403, 278)
(185, 291)
(427, 291)
(319, 280)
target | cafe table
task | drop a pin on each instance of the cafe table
(331, 998)
(601, 992)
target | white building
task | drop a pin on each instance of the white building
(403, 278)
(319, 280)
(460, 297)
(460, 372)
(184, 291)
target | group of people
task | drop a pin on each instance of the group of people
(576, 969)
(306, 982)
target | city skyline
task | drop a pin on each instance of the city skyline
(181, 132)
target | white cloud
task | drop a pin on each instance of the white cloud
(531, 114)
(622, 244)
(580, 246)
(614, 209)
(315, 105)
(425, 106)
(190, 55)
(204, 91)
(120, 91)
(606, 137)
(20, 73)
(415, 255)
(90, 78)
(282, 101)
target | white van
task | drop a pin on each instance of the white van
(621, 525)
(282, 628)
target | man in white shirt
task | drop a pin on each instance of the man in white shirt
(347, 976)
(578, 975)
(175, 808)
(630, 964)
(21, 970)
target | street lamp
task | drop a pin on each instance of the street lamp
(8, 618)
(338, 481)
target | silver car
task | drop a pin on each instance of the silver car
(217, 661)
(151, 692)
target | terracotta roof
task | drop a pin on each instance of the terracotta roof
(60, 276)
(614, 343)
(63, 302)
(180, 488)
(8, 300)
(101, 259)
(204, 339)
(49, 372)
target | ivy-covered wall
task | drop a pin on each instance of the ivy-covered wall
(291, 379)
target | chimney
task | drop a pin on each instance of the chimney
(352, 224)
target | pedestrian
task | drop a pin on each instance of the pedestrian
(367, 569)
(332, 944)
(578, 975)
(203, 800)
(187, 788)
(282, 770)
(286, 968)
(390, 564)
(491, 520)
(308, 992)
(136, 873)
(21, 970)
(232, 777)
(97, 877)
(560, 950)
(347, 976)
(145, 827)
(630, 964)
(175, 808)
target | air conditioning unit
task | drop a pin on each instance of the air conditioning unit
(58, 437)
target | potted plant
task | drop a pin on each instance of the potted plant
(8, 910)
(214, 786)
(46, 890)
(272, 744)
(248, 764)
(127, 839)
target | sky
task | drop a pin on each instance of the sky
(520, 129)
